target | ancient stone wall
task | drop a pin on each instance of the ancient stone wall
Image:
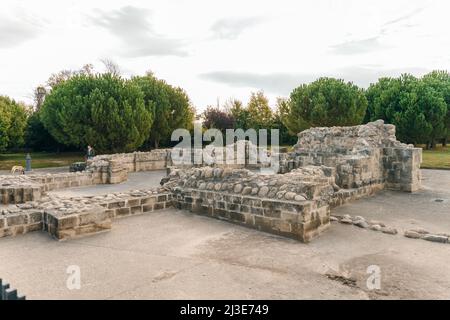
(329, 167)
(293, 205)
(20, 189)
(362, 155)
(67, 218)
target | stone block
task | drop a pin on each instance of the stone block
(17, 219)
(123, 212)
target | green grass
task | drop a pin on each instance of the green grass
(40, 159)
(438, 158)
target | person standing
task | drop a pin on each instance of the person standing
(90, 153)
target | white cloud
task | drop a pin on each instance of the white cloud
(273, 46)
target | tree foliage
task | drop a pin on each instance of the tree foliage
(218, 119)
(37, 136)
(102, 110)
(440, 81)
(259, 112)
(13, 119)
(324, 102)
(239, 113)
(413, 105)
(169, 105)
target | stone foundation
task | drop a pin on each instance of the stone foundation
(329, 167)
(299, 220)
(68, 218)
(362, 155)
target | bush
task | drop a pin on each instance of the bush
(325, 102)
(103, 111)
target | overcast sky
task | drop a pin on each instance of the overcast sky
(222, 49)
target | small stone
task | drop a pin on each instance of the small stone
(389, 230)
(375, 227)
(218, 172)
(376, 222)
(289, 195)
(435, 238)
(280, 194)
(361, 223)
(237, 188)
(263, 191)
(412, 234)
(217, 186)
(420, 230)
(247, 190)
(299, 198)
(334, 219)
(346, 220)
(208, 172)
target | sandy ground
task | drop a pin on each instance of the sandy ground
(173, 254)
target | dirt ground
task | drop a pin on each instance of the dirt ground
(173, 254)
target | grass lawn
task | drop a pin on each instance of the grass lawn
(438, 158)
(39, 159)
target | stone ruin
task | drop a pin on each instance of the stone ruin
(327, 167)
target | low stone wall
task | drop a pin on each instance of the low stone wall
(19, 189)
(402, 168)
(293, 205)
(51, 182)
(302, 220)
(21, 222)
(296, 204)
(24, 188)
(68, 218)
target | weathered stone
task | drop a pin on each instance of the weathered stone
(263, 191)
(361, 224)
(299, 198)
(246, 191)
(435, 238)
(420, 230)
(237, 188)
(412, 234)
(376, 227)
(290, 195)
(346, 221)
(389, 230)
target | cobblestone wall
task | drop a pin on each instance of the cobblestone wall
(362, 155)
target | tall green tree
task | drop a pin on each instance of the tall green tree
(440, 81)
(259, 112)
(286, 137)
(5, 123)
(102, 110)
(13, 119)
(37, 136)
(239, 113)
(325, 102)
(169, 105)
(416, 108)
